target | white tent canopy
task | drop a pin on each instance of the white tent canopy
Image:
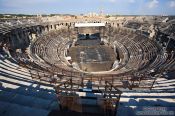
(89, 24)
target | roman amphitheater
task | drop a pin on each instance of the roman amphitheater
(83, 66)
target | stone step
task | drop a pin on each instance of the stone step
(28, 100)
(11, 65)
(145, 110)
(147, 91)
(20, 82)
(31, 91)
(16, 74)
(16, 70)
(166, 102)
(11, 109)
(8, 62)
(147, 95)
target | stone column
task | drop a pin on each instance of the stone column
(47, 28)
(54, 26)
(30, 36)
(153, 32)
(169, 39)
(50, 27)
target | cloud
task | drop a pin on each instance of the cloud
(112, 0)
(122, 1)
(153, 4)
(132, 1)
(23, 3)
(127, 1)
(172, 4)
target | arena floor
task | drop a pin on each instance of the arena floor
(94, 58)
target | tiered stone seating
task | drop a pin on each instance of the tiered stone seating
(49, 48)
(30, 88)
(140, 49)
(21, 95)
(169, 63)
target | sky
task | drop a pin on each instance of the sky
(117, 7)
